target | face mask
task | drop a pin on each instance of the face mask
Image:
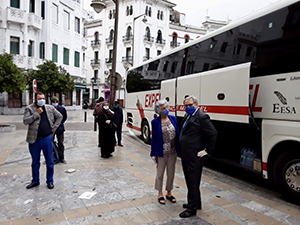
(41, 102)
(55, 104)
(116, 106)
(105, 107)
(165, 112)
(190, 110)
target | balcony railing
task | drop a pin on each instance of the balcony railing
(161, 42)
(19, 60)
(108, 60)
(15, 15)
(109, 41)
(34, 21)
(97, 80)
(145, 58)
(148, 39)
(96, 44)
(128, 38)
(33, 62)
(95, 63)
(127, 59)
(174, 44)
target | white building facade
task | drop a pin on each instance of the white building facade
(39, 30)
(146, 28)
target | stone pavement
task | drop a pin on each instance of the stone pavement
(122, 186)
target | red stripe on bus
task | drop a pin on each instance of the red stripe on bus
(265, 166)
(234, 110)
(133, 127)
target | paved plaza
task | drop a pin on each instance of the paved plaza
(118, 190)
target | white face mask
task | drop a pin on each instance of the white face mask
(106, 107)
(40, 102)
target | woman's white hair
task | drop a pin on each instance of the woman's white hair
(159, 104)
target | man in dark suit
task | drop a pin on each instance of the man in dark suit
(197, 139)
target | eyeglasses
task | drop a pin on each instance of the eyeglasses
(188, 105)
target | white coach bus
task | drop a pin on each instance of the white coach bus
(246, 76)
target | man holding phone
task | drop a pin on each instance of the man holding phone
(42, 121)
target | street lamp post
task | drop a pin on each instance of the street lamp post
(98, 6)
(134, 19)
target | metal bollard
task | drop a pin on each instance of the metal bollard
(85, 116)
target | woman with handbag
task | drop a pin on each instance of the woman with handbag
(164, 148)
(106, 130)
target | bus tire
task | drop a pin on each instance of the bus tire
(146, 132)
(286, 175)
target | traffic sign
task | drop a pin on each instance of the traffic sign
(34, 85)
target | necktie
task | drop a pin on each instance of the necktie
(186, 122)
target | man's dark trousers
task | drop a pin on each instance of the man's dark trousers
(61, 147)
(45, 144)
(119, 134)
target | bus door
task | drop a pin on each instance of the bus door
(167, 90)
(222, 93)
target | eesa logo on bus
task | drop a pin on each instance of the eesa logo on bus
(151, 99)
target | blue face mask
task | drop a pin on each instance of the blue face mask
(55, 104)
(40, 102)
(165, 112)
(116, 106)
(190, 110)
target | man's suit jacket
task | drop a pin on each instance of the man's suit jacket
(197, 135)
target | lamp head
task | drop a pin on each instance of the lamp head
(145, 19)
(98, 5)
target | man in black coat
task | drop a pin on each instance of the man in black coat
(118, 120)
(59, 133)
(197, 139)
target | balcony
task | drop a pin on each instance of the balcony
(34, 21)
(97, 80)
(128, 39)
(19, 60)
(16, 15)
(95, 63)
(108, 60)
(145, 58)
(96, 44)
(174, 44)
(109, 41)
(127, 59)
(33, 62)
(148, 40)
(84, 43)
(161, 42)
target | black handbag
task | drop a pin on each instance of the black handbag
(113, 126)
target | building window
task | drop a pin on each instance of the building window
(110, 14)
(162, 15)
(166, 66)
(147, 53)
(95, 75)
(77, 25)
(42, 50)
(76, 59)
(14, 45)
(43, 10)
(30, 48)
(127, 11)
(96, 36)
(128, 53)
(66, 56)
(223, 47)
(66, 20)
(131, 10)
(128, 33)
(148, 34)
(174, 40)
(146, 10)
(111, 53)
(249, 50)
(149, 13)
(186, 39)
(15, 3)
(54, 52)
(32, 6)
(54, 13)
(159, 37)
(239, 47)
(158, 14)
(158, 52)
(111, 35)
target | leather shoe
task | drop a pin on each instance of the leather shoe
(50, 186)
(187, 213)
(120, 145)
(63, 161)
(185, 206)
(31, 185)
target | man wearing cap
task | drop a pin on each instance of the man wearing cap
(59, 133)
(118, 120)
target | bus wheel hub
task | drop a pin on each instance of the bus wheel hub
(292, 177)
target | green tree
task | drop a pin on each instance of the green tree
(12, 80)
(51, 79)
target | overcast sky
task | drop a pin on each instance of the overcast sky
(196, 10)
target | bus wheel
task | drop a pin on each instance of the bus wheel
(286, 175)
(146, 132)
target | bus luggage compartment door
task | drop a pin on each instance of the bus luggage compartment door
(222, 93)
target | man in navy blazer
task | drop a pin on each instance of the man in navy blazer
(197, 139)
